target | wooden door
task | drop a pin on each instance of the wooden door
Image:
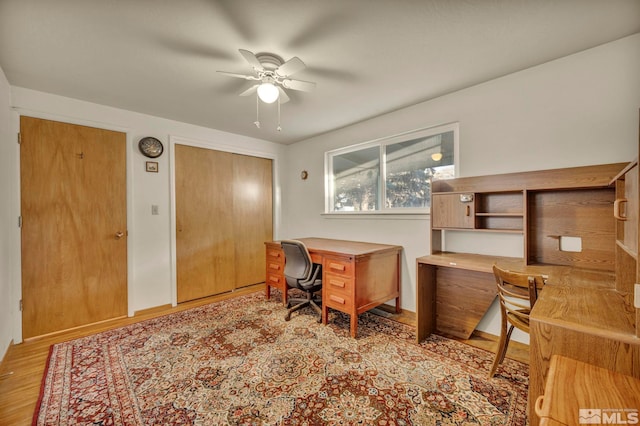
(253, 217)
(223, 217)
(73, 207)
(205, 251)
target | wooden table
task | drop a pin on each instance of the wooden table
(579, 391)
(356, 276)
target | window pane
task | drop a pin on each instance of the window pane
(355, 180)
(411, 164)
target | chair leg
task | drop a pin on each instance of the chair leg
(506, 344)
(295, 308)
(317, 308)
(502, 348)
(304, 302)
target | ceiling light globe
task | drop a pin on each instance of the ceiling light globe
(436, 156)
(268, 93)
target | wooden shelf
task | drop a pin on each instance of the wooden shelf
(501, 230)
(488, 214)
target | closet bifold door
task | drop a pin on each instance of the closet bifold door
(253, 216)
(205, 252)
(223, 217)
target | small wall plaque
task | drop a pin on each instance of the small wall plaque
(152, 166)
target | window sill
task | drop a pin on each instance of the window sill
(377, 215)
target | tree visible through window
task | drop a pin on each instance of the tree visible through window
(397, 170)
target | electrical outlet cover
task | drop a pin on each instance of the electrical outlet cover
(636, 298)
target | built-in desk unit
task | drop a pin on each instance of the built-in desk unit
(579, 227)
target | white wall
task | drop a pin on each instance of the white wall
(150, 237)
(578, 110)
(8, 216)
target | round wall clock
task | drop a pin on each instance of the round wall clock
(150, 147)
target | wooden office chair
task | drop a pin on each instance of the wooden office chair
(300, 272)
(517, 293)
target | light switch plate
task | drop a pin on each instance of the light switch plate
(636, 296)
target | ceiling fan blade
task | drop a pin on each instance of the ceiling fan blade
(250, 90)
(283, 95)
(252, 59)
(305, 86)
(290, 67)
(246, 77)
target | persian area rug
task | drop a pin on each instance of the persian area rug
(237, 362)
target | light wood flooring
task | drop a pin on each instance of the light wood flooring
(23, 366)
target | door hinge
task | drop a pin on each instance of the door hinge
(20, 307)
(19, 138)
(19, 221)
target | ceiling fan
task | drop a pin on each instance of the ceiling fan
(272, 73)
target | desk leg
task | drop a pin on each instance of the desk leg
(425, 301)
(284, 292)
(354, 325)
(325, 314)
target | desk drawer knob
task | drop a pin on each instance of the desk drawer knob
(274, 253)
(617, 209)
(274, 266)
(337, 299)
(337, 266)
(538, 406)
(274, 279)
(337, 283)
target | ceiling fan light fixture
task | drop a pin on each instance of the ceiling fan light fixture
(436, 156)
(268, 93)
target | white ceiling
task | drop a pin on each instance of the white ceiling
(368, 57)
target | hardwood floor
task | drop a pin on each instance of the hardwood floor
(23, 366)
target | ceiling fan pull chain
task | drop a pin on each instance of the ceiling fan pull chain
(257, 122)
(279, 128)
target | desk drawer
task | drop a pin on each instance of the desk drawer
(276, 280)
(338, 284)
(275, 255)
(337, 300)
(338, 266)
(275, 267)
(338, 292)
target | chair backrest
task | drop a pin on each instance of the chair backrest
(517, 291)
(298, 264)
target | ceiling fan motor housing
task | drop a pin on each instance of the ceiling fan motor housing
(269, 61)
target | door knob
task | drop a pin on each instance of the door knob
(119, 235)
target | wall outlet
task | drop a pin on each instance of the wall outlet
(636, 296)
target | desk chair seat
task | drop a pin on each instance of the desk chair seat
(517, 293)
(301, 273)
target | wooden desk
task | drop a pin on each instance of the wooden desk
(579, 313)
(573, 386)
(356, 276)
(583, 318)
(443, 280)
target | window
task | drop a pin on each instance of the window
(397, 170)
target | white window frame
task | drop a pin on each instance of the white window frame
(382, 187)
